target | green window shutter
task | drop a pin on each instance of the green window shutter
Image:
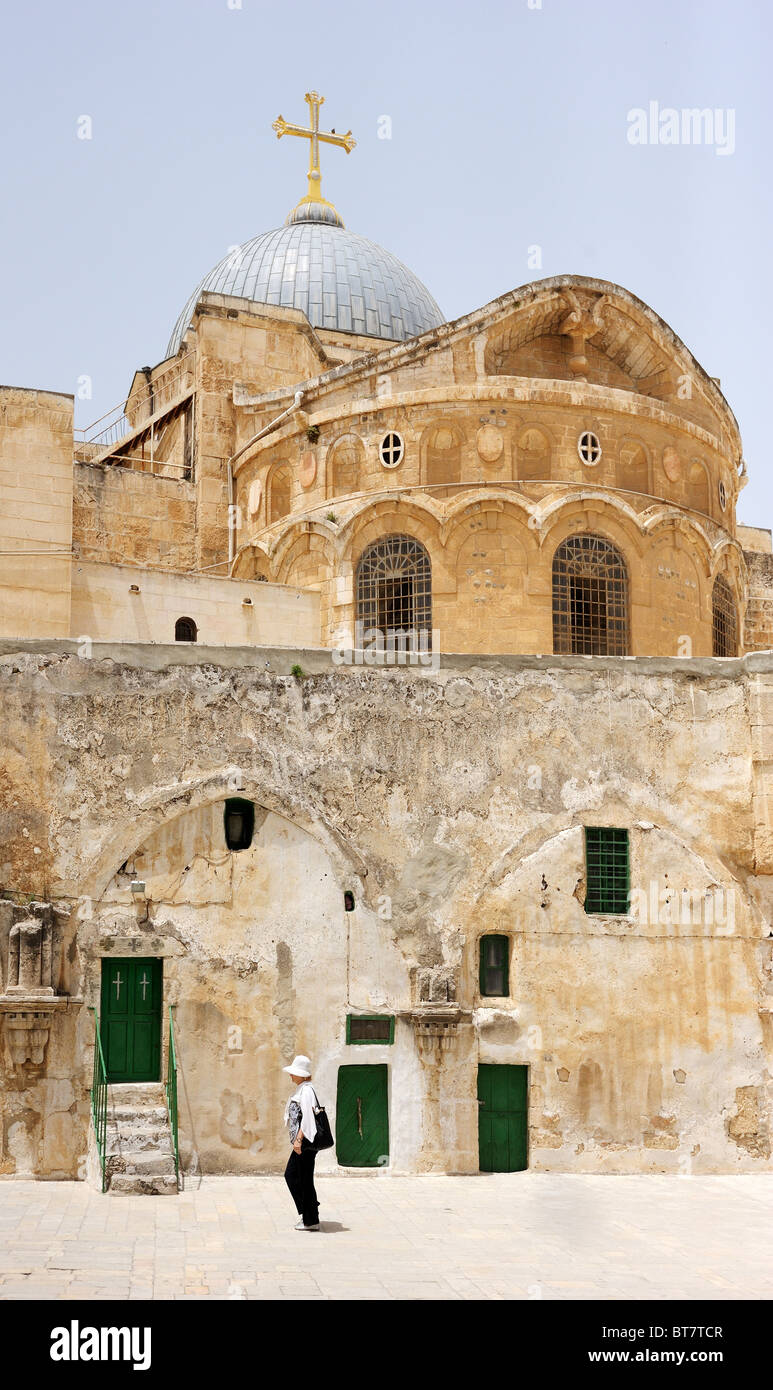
(495, 965)
(370, 1028)
(607, 869)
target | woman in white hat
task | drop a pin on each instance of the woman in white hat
(299, 1117)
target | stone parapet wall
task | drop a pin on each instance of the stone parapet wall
(117, 603)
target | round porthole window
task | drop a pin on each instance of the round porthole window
(722, 495)
(589, 447)
(392, 450)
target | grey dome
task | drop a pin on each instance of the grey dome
(338, 279)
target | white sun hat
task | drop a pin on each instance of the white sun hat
(300, 1066)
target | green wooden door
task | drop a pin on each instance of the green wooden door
(502, 1118)
(130, 1018)
(362, 1116)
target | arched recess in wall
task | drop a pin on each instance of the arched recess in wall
(546, 356)
(393, 588)
(258, 565)
(633, 468)
(442, 450)
(677, 564)
(590, 598)
(533, 454)
(415, 516)
(488, 548)
(519, 347)
(724, 619)
(279, 492)
(305, 557)
(697, 490)
(344, 465)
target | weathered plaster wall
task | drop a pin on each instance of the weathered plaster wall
(105, 609)
(451, 802)
(264, 962)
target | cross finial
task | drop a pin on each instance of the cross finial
(314, 135)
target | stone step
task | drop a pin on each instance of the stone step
(133, 1092)
(154, 1141)
(159, 1184)
(133, 1116)
(146, 1164)
(139, 1140)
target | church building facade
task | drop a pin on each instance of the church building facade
(394, 691)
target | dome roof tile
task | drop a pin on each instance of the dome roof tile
(339, 280)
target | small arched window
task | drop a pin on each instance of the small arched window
(185, 630)
(724, 620)
(590, 598)
(238, 822)
(394, 588)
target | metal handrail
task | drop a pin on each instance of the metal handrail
(115, 423)
(170, 1091)
(99, 1100)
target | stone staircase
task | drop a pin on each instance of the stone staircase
(140, 1157)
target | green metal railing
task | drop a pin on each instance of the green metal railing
(170, 1090)
(99, 1100)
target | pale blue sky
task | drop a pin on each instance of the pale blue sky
(509, 129)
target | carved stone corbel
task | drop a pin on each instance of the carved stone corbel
(29, 999)
(436, 1028)
(583, 321)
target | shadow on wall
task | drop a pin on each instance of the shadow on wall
(190, 1159)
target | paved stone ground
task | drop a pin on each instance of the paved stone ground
(520, 1236)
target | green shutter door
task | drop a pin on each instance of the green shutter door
(130, 1018)
(502, 1118)
(362, 1116)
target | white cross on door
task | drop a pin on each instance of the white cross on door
(144, 982)
(118, 982)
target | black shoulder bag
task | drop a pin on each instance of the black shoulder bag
(323, 1139)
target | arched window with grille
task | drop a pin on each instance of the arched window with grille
(394, 589)
(185, 630)
(724, 620)
(590, 598)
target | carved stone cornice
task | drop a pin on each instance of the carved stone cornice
(436, 1027)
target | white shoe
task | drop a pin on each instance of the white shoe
(299, 1226)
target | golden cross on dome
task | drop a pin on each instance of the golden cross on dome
(314, 135)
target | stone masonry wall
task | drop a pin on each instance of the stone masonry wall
(35, 512)
(128, 517)
(451, 802)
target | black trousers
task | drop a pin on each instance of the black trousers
(299, 1176)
